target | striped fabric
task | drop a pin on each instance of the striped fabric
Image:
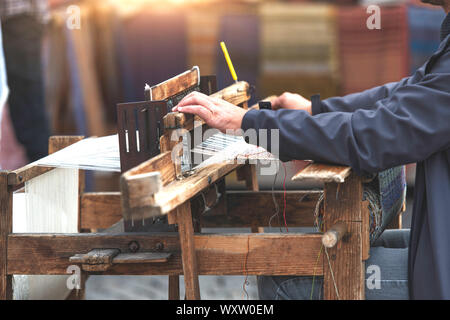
(298, 49)
(369, 58)
(9, 8)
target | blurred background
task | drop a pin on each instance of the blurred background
(66, 75)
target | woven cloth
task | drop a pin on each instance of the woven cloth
(386, 195)
(9, 8)
(369, 58)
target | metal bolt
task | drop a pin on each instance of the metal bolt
(133, 246)
(159, 246)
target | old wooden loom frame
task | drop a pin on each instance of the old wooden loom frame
(155, 186)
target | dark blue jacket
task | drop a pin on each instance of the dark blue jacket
(387, 126)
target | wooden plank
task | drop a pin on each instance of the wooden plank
(161, 163)
(217, 254)
(56, 143)
(174, 287)
(101, 210)
(5, 230)
(175, 85)
(323, 172)
(142, 257)
(179, 191)
(189, 257)
(26, 173)
(30, 171)
(365, 230)
(253, 209)
(343, 264)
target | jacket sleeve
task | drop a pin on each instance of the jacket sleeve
(352, 102)
(407, 127)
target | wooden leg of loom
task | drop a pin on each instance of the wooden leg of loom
(248, 173)
(5, 229)
(174, 288)
(343, 264)
(186, 232)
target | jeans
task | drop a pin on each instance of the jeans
(386, 274)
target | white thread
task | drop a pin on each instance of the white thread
(49, 204)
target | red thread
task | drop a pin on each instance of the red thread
(284, 196)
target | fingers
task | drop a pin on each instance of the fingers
(277, 103)
(195, 98)
(197, 110)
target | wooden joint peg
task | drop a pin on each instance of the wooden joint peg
(334, 234)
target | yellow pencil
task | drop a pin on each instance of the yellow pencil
(227, 58)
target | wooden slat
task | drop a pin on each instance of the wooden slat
(101, 210)
(179, 191)
(218, 254)
(175, 85)
(365, 230)
(31, 170)
(344, 270)
(161, 163)
(174, 287)
(189, 258)
(5, 229)
(323, 173)
(56, 143)
(254, 209)
(26, 173)
(142, 257)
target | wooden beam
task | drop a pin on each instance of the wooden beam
(323, 172)
(343, 264)
(5, 230)
(189, 257)
(175, 85)
(101, 210)
(179, 191)
(30, 171)
(174, 287)
(217, 254)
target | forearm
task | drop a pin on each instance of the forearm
(362, 100)
(405, 129)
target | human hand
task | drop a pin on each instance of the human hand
(216, 113)
(291, 101)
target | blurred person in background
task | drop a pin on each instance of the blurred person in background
(23, 31)
(394, 124)
(3, 84)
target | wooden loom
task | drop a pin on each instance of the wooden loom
(156, 188)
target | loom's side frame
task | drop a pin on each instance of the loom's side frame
(13, 180)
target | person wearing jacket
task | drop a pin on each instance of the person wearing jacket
(394, 124)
